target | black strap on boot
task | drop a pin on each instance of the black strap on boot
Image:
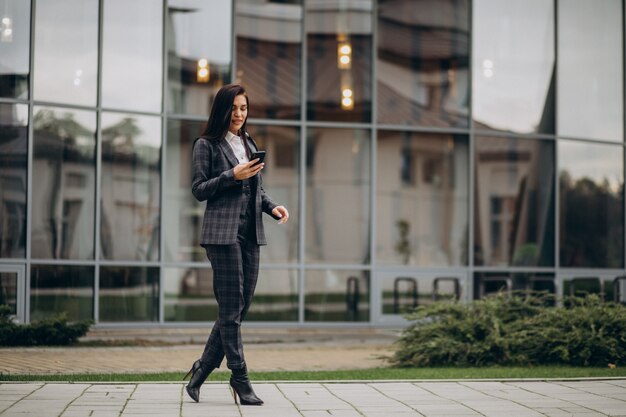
(240, 383)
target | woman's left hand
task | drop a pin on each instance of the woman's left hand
(282, 213)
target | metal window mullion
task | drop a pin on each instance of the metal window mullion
(558, 279)
(469, 291)
(302, 174)
(375, 293)
(163, 173)
(623, 135)
(233, 44)
(98, 178)
(29, 164)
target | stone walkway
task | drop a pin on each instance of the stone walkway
(376, 399)
(263, 357)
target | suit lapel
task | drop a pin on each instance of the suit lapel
(228, 151)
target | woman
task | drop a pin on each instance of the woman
(232, 231)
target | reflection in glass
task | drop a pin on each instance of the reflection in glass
(402, 292)
(281, 182)
(336, 295)
(607, 287)
(131, 171)
(8, 291)
(14, 48)
(276, 296)
(338, 196)
(422, 199)
(188, 294)
(591, 78)
(423, 58)
(591, 204)
(61, 288)
(182, 213)
(67, 74)
(514, 201)
(339, 66)
(269, 55)
(64, 184)
(13, 180)
(131, 54)
(129, 293)
(489, 283)
(199, 54)
(513, 65)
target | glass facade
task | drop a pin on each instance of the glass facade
(426, 151)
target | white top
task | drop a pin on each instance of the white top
(237, 145)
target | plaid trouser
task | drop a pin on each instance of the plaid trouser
(235, 272)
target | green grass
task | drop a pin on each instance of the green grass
(540, 372)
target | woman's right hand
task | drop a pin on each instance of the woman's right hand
(247, 170)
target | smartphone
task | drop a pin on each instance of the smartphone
(258, 154)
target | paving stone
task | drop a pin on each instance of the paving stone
(394, 399)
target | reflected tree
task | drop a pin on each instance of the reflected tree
(62, 141)
(592, 226)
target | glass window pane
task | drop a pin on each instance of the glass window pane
(132, 54)
(339, 66)
(338, 196)
(514, 201)
(129, 293)
(68, 74)
(281, 183)
(131, 172)
(8, 290)
(513, 65)
(13, 179)
(199, 54)
(14, 48)
(61, 288)
(402, 292)
(188, 294)
(336, 295)
(422, 199)
(591, 205)
(182, 213)
(423, 59)
(591, 69)
(269, 56)
(489, 283)
(64, 183)
(275, 297)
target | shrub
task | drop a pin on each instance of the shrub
(54, 331)
(517, 330)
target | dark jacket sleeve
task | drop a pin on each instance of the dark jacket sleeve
(267, 205)
(203, 186)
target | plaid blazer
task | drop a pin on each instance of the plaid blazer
(213, 181)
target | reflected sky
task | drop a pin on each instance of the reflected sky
(67, 74)
(131, 56)
(194, 37)
(598, 162)
(513, 59)
(590, 79)
(15, 53)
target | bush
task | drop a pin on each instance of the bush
(54, 331)
(518, 330)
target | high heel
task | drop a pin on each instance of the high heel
(199, 373)
(240, 384)
(234, 394)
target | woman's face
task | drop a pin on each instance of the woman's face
(238, 114)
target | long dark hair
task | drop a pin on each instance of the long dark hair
(219, 119)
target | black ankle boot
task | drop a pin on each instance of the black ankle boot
(240, 383)
(199, 372)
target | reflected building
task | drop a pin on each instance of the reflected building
(428, 151)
